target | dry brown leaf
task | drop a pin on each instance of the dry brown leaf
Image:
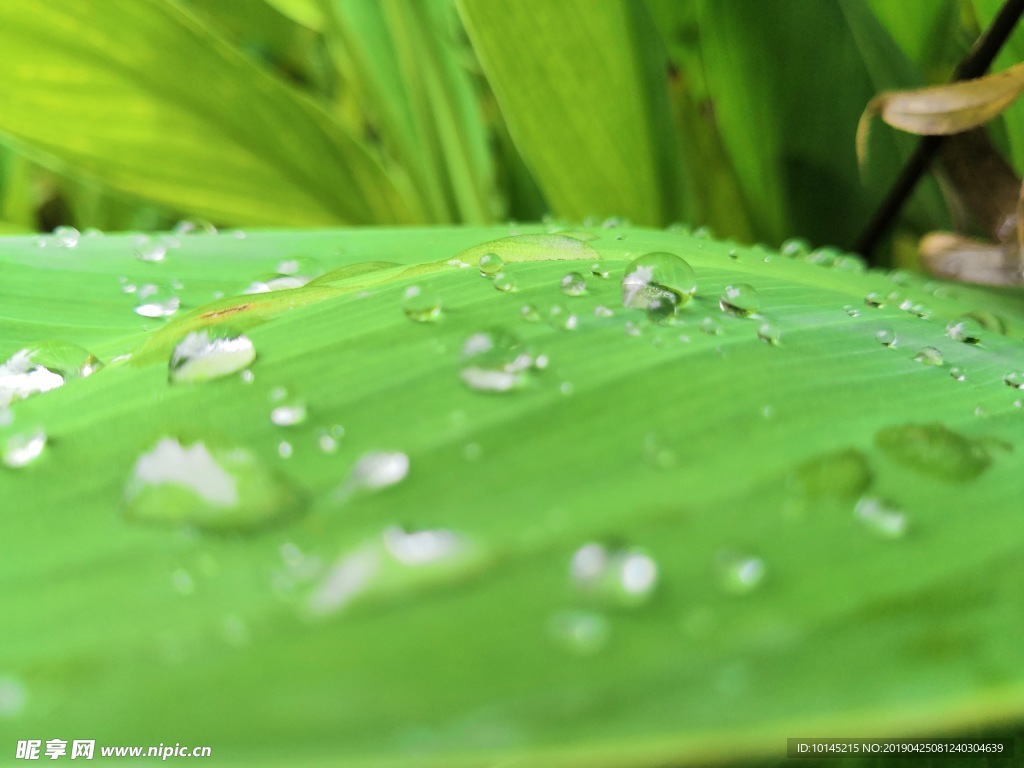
(971, 261)
(943, 109)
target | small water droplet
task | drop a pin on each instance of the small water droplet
(958, 373)
(934, 450)
(849, 262)
(603, 312)
(378, 469)
(658, 452)
(929, 356)
(285, 449)
(148, 249)
(194, 227)
(203, 355)
(881, 517)
(621, 577)
(247, 376)
(739, 573)
(156, 301)
(495, 361)
(795, 247)
(490, 264)
(208, 486)
(12, 697)
(632, 329)
(599, 269)
(851, 310)
(653, 275)
(563, 318)
(875, 299)
(769, 334)
(66, 237)
(740, 300)
(965, 329)
(581, 632)
(899, 276)
(421, 303)
(529, 313)
(886, 337)
(573, 284)
(183, 582)
(503, 282)
(710, 326)
(1014, 379)
(21, 448)
(288, 413)
(839, 475)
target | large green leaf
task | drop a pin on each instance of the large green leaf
(731, 465)
(142, 96)
(583, 90)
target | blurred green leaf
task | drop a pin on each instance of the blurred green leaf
(583, 91)
(309, 13)
(142, 96)
(780, 605)
(1012, 53)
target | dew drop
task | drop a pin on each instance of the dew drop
(769, 333)
(43, 367)
(710, 326)
(148, 249)
(875, 299)
(503, 282)
(934, 450)
(739, 573)
(421, 304)
(851, 310)
(490, 264)
(529, 313)
(495, 361)
(653, 275)
(289, 413)
(183, 582)
(581, 632)
(202, 356)
(563, 318)
(208, 486)
(740, 300)
(156, 301)
(958, 373)
(966, 329)
(1014, 379)
(621, 577)
(376, 470)
(12, 697)
(194, 227)
(573, 284)
(658, 452)
(285, 449)
(21, 448)
(599, 269)
(603, 312)
(661, 310)
(795, 247)
(886, 337)
(881, 518)
(66, 237)
(929, 356)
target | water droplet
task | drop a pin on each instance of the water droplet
(305, 267)
(183, 582)
(1014, 379)
(795, 247)
(934, 450)
(653, 275)
(208, 486)
(43, 367)
(289, 413)
(490, 264)
(148, 249)
(529, 313)
(21, 448)
(376, 470)
(156, 301)
(632, 329)
(825, 257)
(929, 356)
(603, 312)
(702, 233)
(661, 310)
(886, 337)
(503, 282)
(710, 326)
(194, 227)
(739, 573)
(285, 449)
(66, 237)
(472, 451)
(839, 475)
(899, 276)
(875, 299)
(495, 361)
(658, 452)
(573, 284)
(849, 262)
(851, 311)
(740, 300)
(966, 329)
(203, 355)
(599, 269)
(582, 632)
(769, 334)
(12, 697)
(421, 303)
(563, 318)
(396, 563)
(247, 376)
(622, 577)
(958, 373)
(881, 518)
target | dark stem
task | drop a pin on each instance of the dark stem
(975, 64)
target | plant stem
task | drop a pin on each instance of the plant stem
(975, 64)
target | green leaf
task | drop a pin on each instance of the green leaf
(830, 525)
(1012, 53)
(143, 97)
(583, 91)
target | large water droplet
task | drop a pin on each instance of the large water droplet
(209, 354)
(573, 284)
(623, 577)
(396, 563)
(881, 518)
(210, 487)
(934, 450)
(43, 367)
(740, 300)
(490, 264)
(421, 303)
(495, 361)
(653, 275)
